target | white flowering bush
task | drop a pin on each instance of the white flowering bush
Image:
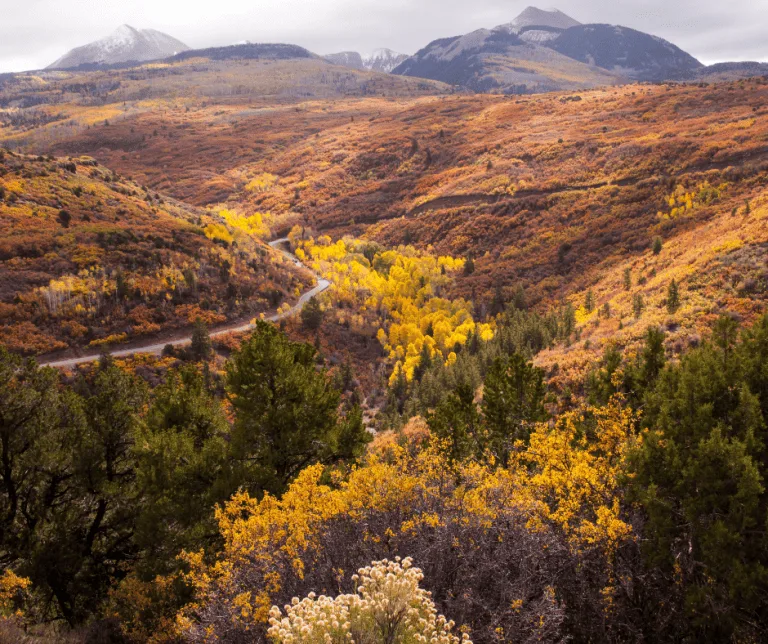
(388, 608)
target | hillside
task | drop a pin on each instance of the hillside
(552, 194)
(455, 167)
(248, 51)
(716, 264)
(91, 259)
(731, 71)
(38, 109)
(627, 52)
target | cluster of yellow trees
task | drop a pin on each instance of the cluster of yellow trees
(262, 183)
(81, 295)
(236, 226)
(11, 587)
(401, 292)
(682, 201)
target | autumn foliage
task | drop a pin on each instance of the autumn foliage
(127, 264)
(530, 407)
(559, 495)
(402, 292)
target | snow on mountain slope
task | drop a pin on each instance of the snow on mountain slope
(383, 60)
(125, 44)
(539, 36)
(533, 17)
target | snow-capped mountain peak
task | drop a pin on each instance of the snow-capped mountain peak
(124, 34)
(535, 17)
(383, 60)
(125, 44)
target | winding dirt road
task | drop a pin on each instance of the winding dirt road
(186, 338)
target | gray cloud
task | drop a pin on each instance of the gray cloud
(33, 33)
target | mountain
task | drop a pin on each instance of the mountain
(383, 60)
(346, 59)
(501, 61)
(124, 45)
(548, 50)
(625, 51)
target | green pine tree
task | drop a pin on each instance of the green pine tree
(286, 410)
(699, 476)
(673, 297)
(638, 305)
(312, 315)
(469, 266)
(589, 301)
(182, 470)
(456, 421)
(513, 400)
(200, 348)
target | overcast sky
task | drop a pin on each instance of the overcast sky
(34, 33)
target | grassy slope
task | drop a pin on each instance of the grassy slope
(541, 69)
(720, 267)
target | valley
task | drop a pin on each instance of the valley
(551, 194)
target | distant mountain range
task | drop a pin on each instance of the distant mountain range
(381, 60)
(125, 44)
(129, 45)
(537, 51)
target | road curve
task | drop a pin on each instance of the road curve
(157, 349)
